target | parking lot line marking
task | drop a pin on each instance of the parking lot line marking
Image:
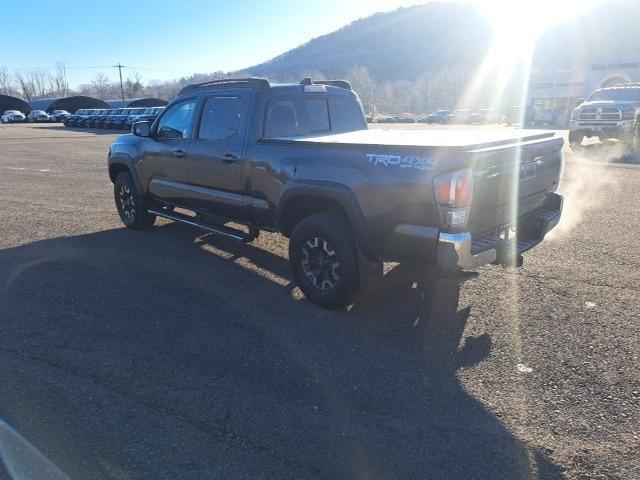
(23, 169)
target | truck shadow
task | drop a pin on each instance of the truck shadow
(211, 333)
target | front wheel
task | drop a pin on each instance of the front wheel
(632, 141)
(131, 204)
(324, 260)
(575, 140)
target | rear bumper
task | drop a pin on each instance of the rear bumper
(463, 251)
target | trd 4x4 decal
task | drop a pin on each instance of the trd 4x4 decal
(402, 161)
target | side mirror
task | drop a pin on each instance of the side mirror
(141, 129)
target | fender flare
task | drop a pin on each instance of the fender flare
(335, 192)
(126, 161)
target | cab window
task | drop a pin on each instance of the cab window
(176, 122)
(221, 118)
(297, 117)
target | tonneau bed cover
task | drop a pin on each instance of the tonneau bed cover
(456, 139)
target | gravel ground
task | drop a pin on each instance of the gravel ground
(169, 354)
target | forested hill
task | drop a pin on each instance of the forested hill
(399, 45)
(405, 43)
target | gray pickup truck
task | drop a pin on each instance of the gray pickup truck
(611, 112)
(298, 159)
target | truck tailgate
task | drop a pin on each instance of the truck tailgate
(510, 182)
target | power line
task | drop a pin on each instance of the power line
(53, 68)
(103, 67)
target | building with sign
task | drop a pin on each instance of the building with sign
(562, 90)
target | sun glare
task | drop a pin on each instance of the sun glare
(518, 24)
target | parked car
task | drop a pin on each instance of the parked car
(59, 115)
(550, 117)
(12, 116)
(458, 117)
(134, 116)
(438, 116)
(117, 119)
(38, 116)
(100, 119)
(348, 198)
(83, 120)
(385, 120)
(484, 116)
(111, 116)
(72, 120)
(151, 114)
(403, 119)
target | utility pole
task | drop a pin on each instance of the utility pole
(120, 67)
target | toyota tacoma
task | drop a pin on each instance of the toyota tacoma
(298, 159)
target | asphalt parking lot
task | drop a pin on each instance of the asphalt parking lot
(170, 354)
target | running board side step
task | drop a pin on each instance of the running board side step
(223, 231)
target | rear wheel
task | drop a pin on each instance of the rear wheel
(130, 203)
(324, 260)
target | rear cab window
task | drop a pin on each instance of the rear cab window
(312, 114)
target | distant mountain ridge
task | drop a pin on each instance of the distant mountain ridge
(405, 43)
(398, 45)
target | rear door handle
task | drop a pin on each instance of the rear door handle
(179, 153)
(229, 158)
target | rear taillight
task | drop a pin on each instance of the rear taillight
(454, 193)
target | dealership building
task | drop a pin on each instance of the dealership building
(561, 90)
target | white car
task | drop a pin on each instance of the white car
(12, 116)
(59, 115)
(39, 116)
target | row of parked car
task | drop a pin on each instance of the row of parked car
(118, 118)
(15, 116)
(482, 116)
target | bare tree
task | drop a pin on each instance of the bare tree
(25, 85)
(61, 85)
(101, 85)
(364, 86)
(42, 82)
(133, 88)
(6, 82)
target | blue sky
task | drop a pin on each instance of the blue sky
(165, 38)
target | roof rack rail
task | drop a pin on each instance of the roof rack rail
(333, 83)
(228, 83)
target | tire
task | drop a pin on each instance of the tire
(131, 204)
(632, 141)
(575, 140)
(324, 260)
